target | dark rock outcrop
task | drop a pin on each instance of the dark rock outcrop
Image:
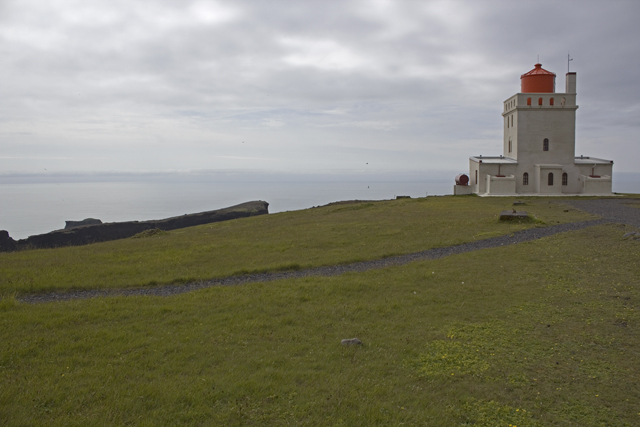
(86, 221)
(513, 214)
(6, 242)
(85, 234)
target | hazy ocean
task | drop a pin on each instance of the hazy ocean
(28, 208)
(35, 208)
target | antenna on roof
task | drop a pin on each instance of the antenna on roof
(569, 59)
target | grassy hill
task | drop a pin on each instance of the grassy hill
(536, 334)
(336, 234)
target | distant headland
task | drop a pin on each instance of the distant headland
(94, 231)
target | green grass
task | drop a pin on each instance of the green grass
(543, 333)
(329, 235)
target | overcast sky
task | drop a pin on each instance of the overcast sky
(301, 86)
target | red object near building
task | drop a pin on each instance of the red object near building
(538, 80)
(462, 179)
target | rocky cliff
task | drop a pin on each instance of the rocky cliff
(85, 234)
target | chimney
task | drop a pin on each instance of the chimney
(571, 83)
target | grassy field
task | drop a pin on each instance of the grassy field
(291, 240)
(543, 333)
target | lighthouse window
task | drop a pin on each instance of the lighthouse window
(545, 144)
(551, 101)
(525, 178)
(528, 101)
(565, 179)
(507, 122)
(539, 101)
(512, 121)
(550, 179)
(509, 144)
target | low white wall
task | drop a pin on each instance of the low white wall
(462, 190)
(501, 185)
(600, 185)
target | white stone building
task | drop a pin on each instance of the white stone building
(539, 146)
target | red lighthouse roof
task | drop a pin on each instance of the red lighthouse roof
(538, 80)
(537, 71)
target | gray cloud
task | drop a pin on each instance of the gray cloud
(314, 85)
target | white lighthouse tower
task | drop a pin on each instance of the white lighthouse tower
(539, 145)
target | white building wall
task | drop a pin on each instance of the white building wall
(474, 180)
(536, 125)
(510, 128)
(574, 180)
(487, 171)
(542, 183)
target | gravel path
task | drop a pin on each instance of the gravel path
(614, 210)
(611, 210)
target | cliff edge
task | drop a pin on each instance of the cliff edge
(94, 233)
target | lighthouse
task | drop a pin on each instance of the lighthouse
(539, 144)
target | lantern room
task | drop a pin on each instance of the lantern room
(538, 80)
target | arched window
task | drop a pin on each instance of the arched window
(545, 144)
(507, 122)
(528, 101)
(550, 179)
(512, 120)
(509, 144)
(565, 179)
(551, 101)
(525, 178)
(539, 101)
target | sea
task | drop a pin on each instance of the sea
(29, 206)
